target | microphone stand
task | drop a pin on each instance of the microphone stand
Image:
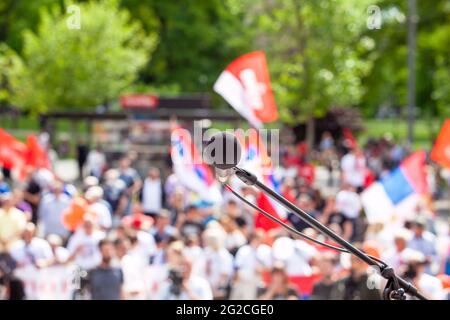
(396, 287)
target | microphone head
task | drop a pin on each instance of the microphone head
(223, 151)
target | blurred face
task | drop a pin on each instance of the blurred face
(122, 248)
(7, 201)
(418, 230)
(58, 188)
(88, 227)
(124, 163)
(279, 279)
(18, 195)
(28, 234)
(400, 244)
(304, 202)
(187, 269)
(326, 266)
(162, 221)
(107, 252)
(153, 174)
(357, 264)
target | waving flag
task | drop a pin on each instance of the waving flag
(189, 167)
(441, 150)
(36, 156)
(12, 151)
(245, 85)
(256, 159)
(397, 194)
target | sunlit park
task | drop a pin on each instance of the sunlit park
(110, 186)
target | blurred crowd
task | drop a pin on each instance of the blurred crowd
(117, 227)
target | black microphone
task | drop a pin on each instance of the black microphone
(223, 152)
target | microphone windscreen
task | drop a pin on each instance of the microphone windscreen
(223, 151)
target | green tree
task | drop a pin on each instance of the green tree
(197, 39)
(314, 52)
(64, 67)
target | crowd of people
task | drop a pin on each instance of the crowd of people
(120, 229)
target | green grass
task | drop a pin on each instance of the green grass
(425, 131)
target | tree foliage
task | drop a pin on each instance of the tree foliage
(64, 67)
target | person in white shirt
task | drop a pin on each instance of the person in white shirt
(152, 193)
(353, 166)
(348, 202)
(393, 256)
(51, 209)
(95, 162)
(295, 255)
(31, 250)
(430, 286)
(218, 267)
(60, 253)
(248, 267)
(133, 284)
(83, 245)
(99, 207)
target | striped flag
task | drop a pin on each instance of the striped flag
(256, 160)
(190, 169)
(397, 194)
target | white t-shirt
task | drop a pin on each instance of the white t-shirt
(95, 162)
(89, 257)
(298, 263)
(145, 248)
(349, 203)
(102, 213)
(431, 287)
(354, 169)
(246, 262)
(132, 274)
(217, 263)
(152, 195)
(24, 254)
(197, 256)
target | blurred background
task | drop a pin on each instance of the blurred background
(90, 92)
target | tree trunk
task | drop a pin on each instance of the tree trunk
(310, 136)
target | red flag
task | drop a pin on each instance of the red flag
(36, 155)
(245, 85)
(12, 151)
(441, 150)
(349, 138)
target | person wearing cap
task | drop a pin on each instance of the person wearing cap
(99, 207)
(12, 221)
(393, 255)
(31, 250)
(428, 285)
